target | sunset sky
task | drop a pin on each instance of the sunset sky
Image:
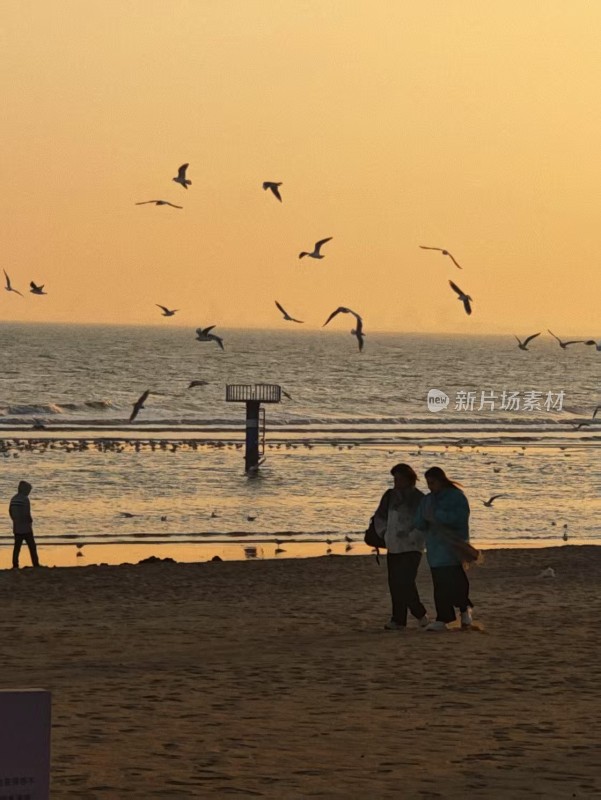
(459, 123)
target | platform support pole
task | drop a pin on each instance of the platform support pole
(252, 434)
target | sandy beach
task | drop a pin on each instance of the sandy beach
(276, 679)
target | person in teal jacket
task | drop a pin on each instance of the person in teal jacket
(443, 515)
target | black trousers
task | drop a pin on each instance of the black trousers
(30, 541)
(451, 591)
(402, 571)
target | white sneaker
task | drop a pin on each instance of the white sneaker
(436, 626)
(424, 621)
(466, 618)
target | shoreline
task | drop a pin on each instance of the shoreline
(65, 555)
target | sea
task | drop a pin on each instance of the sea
(497, 419)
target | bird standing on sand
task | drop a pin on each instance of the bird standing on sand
(316, 250)
(36, 289)
(524, 345)
(488, 503)
(465, 298)
(203, 335)
(166, 311)
(444, 252)
(181, 176)
(8, 286)
(562, 344)
(160, 202)
(139, 405)
(287, 316)
(274, 188)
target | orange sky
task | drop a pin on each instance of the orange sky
(466, 124)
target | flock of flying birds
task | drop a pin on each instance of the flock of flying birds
(205, 335)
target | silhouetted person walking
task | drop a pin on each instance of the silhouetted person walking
(20, 513)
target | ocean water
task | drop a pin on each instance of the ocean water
(328, 450)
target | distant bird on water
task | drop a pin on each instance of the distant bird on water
(9, 287)
(159, 202)
(167, 312)
(287, 316)
(197, 383)
(181, 176)
(316, 250)
(37, 289)
(524, 345)
(444, 252)
(563, 344)
(274, 188)
(203, 335)
(139, 405)
(465, 298)
(488, 503)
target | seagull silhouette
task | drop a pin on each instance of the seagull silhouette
(287, 316)
(286, 395)
(197, 383)
(444, 252)
(181, 176)
(203, 335)
(274, 188)
(524, 345)
(563, 344)
(8, 286)
(358, 331)
(37, 289)
(167, 312)
(488, 503)
(316, 250)
(139, 405)
(465, 298)
(160, 202)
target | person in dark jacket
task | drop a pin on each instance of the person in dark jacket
(20, 513)
(444, 517)
(393, 521)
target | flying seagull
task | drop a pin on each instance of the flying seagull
(562, 344)
(488, 503)
(317, 248)
(358, 331)
(203, 335)
(286, 395)
(590, 341)
(524, 345)
(8, 287)
(444, 252)
(37, 289)
(274, 188)
(160, 202)
(181, 176)
(139, 405)
(287, 316)
(197, 383)
(465, 298)
(166, 311)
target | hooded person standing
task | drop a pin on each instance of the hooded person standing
(393, 521)
(20, 513)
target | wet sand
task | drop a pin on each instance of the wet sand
(276, 679)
